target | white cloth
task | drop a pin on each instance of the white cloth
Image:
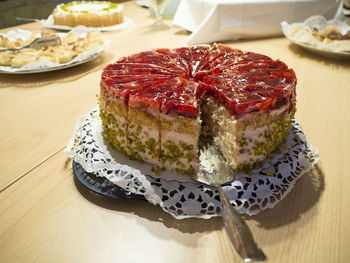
(220, 20)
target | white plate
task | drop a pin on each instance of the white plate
(324, 52)
(45, 66)
(339, 49)
(47, 69)
(127, 22)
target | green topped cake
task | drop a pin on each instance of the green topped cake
(88, 13)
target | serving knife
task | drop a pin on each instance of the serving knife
(38, 43)
(215, 171)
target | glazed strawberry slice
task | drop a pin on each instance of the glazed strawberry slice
(175, 61)
(132, 78)
(182, 100)
(228, 60)
(197, 55)
(217, 54)
(185, 54)
(147, 100)
(152, 97)
(124, 90)
(193, 56)
(154, 58)
(248, 91)
(128, 67)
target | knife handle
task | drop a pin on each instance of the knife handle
(239, 232)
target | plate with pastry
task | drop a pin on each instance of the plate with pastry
(23, 52)
(101, 15)
(330, 38)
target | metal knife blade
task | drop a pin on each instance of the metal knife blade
(215, 171)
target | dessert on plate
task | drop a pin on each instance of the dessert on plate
(88, 13)
(71, 45)
(326, 37)
(160, 106)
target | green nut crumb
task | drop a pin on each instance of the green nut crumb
(274, 138)
(188, 171)
(268, 173)
(296, 138)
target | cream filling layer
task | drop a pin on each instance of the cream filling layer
(248, 139)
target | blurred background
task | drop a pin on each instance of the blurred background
(38, 9)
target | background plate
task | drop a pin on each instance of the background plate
(49, 23)
(41, 70)
(324, 52)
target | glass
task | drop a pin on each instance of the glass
(158, 7)
(346, 10)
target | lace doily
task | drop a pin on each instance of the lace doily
(181, 196)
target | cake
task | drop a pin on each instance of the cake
(160, 106)
(88, 13)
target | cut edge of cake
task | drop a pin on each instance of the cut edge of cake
(247, 141)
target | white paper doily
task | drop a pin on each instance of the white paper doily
(181, 196)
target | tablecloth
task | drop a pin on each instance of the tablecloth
(220, 20)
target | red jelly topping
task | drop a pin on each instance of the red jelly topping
(175, 80)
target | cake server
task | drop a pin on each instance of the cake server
(39, 43)
(27, 19)
(215, 171)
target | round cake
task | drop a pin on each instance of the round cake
(88, 13)
(160, 106)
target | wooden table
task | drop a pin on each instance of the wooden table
(47, 216)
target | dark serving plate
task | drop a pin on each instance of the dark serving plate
(101, 186)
